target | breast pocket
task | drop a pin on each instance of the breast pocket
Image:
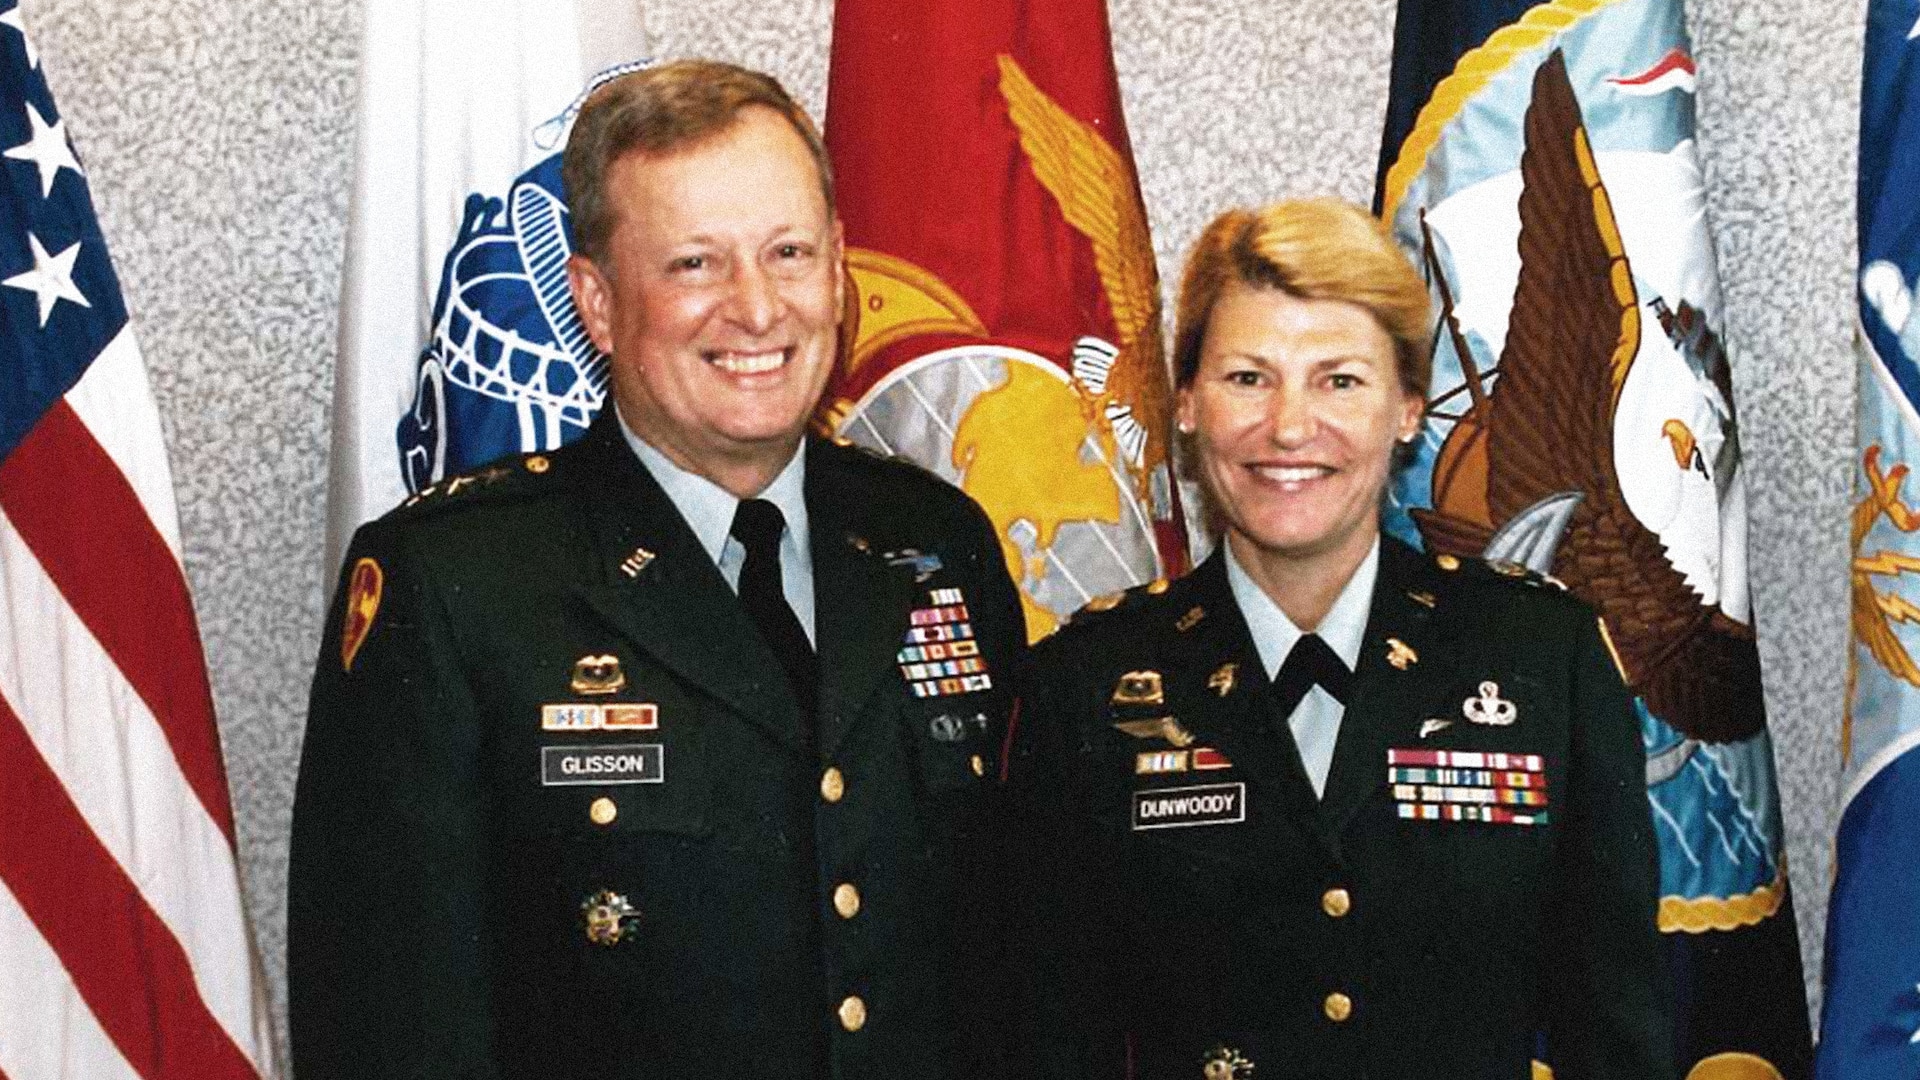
(647, 772)
(955, 743)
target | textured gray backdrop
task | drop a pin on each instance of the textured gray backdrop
(217, 135)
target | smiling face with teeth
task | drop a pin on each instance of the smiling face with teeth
(1294, 411)
(718, 298)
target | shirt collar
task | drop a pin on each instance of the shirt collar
(1344, 628)
(709, 508)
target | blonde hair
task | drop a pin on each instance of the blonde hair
(660, 110)
(1313, 249)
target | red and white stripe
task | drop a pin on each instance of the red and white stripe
(124, 949)
(1674, 71)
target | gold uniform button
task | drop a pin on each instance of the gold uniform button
(846, 900)
(1338, 1007)
(853, 1013)
(603, 811)
(1447, 562)
(538, 464)
(1336, 903)
(833, 785)
(978, 764)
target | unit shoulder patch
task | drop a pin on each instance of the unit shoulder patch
(364, 589)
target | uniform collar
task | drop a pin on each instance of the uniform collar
(1274, 635)
(709, 508)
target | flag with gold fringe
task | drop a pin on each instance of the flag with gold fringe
(1539, 166)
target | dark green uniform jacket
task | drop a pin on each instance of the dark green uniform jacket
(553, 817)
(1200, 914)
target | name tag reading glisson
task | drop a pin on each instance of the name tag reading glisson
(1206, 804)
(638, 763)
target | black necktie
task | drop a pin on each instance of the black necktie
(1311, 661)
(757, 524)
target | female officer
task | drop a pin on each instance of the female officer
(1330, 807)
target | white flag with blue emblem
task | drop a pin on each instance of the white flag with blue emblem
(1871, 1026)
(458, 341)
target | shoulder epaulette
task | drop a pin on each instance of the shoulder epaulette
(1502, 569)
(1115, 601)
(906, 464)
(492, 479)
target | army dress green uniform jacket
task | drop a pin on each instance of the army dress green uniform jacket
(1200, 914)
(539, 705)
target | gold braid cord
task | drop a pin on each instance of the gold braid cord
(1475, 69)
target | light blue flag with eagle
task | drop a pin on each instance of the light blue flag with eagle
(1870, 1029)
(1539, 166)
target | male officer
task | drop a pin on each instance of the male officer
(669, 753)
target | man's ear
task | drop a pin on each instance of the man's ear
(593, 298)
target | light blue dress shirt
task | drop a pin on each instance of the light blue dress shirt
(1316, 720)
(709, 508)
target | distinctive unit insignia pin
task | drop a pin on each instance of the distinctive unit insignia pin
(1400, 654)
(1490, 707)
(1221, 681)
(599, 674)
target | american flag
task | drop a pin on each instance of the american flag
(123, 945)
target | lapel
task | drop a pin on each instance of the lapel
(1385, 696)
(862, 604)
(1242, 723)
(674, 605)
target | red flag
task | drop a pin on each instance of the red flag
(1003, 328)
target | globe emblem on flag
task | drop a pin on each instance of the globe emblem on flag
(1071, 522)
(507, 366)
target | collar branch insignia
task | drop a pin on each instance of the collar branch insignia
(636, 562)
(1400, 654)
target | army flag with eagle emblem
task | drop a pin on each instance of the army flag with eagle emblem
(1003, 321)
(1870, 1025)
(1539, 166)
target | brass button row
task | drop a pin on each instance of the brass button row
(853, 1013)
(833, 785)
(846, 900)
